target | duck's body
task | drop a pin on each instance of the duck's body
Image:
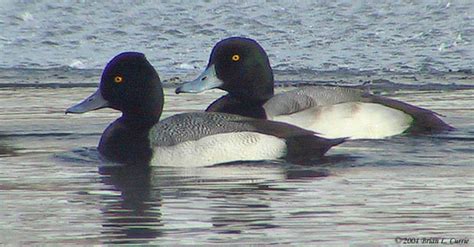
(332, 111)
(202, 139)
(349, 114)
(336, 112)
(208, 138)
(130, 84)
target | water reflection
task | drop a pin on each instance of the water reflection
(6, 149)
(135, 216)
(141, 205)
(255, 205)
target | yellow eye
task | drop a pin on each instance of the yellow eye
(118, 79)
(235, 58)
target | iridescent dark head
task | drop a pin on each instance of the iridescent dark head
(239, 66)
(129, 84)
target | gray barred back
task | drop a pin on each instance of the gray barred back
(193, 126)
(306, 97)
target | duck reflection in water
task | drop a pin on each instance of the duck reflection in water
(135, 215)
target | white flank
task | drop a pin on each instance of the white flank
(220, 148)
(355, 120)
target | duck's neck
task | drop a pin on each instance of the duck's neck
(127, 141)
(139, 121)
(250, 102)
(251, 97)
(239, 106)
(254, 87)
(143, 114)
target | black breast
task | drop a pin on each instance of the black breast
(126, 144)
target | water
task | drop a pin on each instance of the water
(53, 189)
(321, 35)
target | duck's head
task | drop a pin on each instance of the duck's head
(239, 66)
(129, 84)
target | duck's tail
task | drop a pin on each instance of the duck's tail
(306, 147)
(425, 121)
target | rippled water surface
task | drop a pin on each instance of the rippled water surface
(324, 35)
(55, 190)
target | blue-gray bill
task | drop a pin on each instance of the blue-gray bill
(207, 80)
(93, 102)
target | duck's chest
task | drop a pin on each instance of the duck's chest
(125, 145)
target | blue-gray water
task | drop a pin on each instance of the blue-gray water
(51, 187)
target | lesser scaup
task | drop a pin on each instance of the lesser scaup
(241, 67)
(131, 85)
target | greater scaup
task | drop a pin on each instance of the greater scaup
(241, 67)
(131, 85)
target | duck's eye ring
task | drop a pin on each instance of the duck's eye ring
(235, 58)
(118, 79)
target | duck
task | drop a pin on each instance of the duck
(131, 85)
(240, 66)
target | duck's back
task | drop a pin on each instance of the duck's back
(305, 97)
